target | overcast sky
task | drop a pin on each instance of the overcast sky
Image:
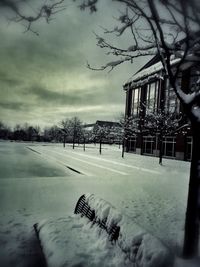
(44, 79)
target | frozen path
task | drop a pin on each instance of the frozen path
(35, 185)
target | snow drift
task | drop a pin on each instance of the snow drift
(76, 241)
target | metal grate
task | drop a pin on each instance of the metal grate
(83, 208)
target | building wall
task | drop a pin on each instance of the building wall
(177, 146)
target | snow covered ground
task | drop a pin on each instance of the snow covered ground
(41, 181)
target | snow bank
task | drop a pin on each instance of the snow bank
(75, 241)
(141, 248)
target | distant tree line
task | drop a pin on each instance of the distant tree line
(74, 131)
(27, 132)
(19, 132)
(69, 130)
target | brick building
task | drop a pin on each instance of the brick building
(149, 90)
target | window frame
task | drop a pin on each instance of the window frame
(173, 142)
(136, 103)
(145, 141)
(170, 97)
(134, 140)
(152, 107)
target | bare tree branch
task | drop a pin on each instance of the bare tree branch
(46, 11)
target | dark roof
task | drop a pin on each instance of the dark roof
(108, 123)
(88, 125)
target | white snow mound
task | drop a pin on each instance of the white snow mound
(75, 241)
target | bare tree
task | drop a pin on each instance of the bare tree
(86, 136)
(100, 133)
(131, 126)
(26, 132)
(5, 131)
(72, 129)
(76, 130)
(53, 134)
(65, 129)
(45, 11)
(169, 29)
(161, 124)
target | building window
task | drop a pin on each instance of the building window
(188, 148)
(132, 143)
(152, 96)
(172, 103)
(194, 80)
(136, 101)
(148, 143)
(169, 147)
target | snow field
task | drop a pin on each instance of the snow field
(154, 199)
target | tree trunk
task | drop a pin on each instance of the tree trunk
(160, 149)
(73, 142)
(64, 141)
(191, 238)
(84, 144)
(100, 146)
(123, 148)
(141, 142)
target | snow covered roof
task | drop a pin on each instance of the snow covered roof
(88, 125)
(147, 74)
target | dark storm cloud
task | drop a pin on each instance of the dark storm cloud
(13, 106)
(34, 55)
(56, 49)
(52, 97)
(72, 97)
(10, 81)
(7, 79)
(44, 78)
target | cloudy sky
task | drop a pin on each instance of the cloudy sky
(44, 79)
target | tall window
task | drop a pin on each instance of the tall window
(136, 101)
(172, 103)
(132, 143)
(148, 143)
(152, 96)
(169, 146)
(189, 148)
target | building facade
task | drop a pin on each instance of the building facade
(149, 92)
